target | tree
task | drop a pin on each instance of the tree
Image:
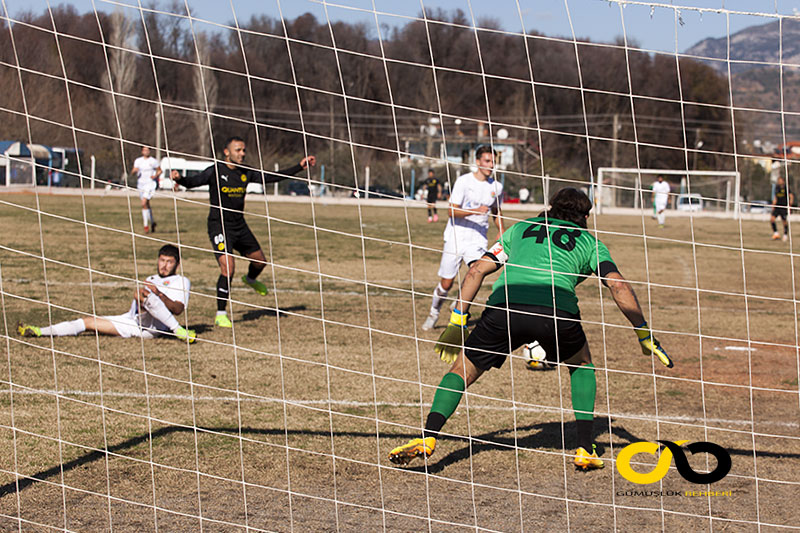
(121, 67)
(206, 93)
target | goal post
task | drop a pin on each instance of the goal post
(719, 190)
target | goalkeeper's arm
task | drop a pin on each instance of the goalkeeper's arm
(474, 279)
(624, 297)
(626, 300)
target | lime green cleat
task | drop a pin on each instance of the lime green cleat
(402, 455)
(223, 321)
(257, 286)
(28, 331)
(186, 334)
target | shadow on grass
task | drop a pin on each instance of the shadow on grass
(255, 314)
(545, 435)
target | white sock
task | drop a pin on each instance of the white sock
(65, 329)
(661, 218)
(159, 311)
(146, 217)
(439, 294)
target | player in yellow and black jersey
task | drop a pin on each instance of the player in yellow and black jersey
(433, 191)
(227, 184)
(780, 208)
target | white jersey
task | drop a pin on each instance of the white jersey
(174, 287)
(471, 193)
(147, 167)
(661, 190)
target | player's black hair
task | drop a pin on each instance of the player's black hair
(483, 149)
(229, 140)
(571, 205)
(170, 251)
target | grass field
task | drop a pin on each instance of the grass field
(284, 422)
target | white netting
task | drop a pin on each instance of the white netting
(284, 421)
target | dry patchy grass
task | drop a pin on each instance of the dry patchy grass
(284, 422)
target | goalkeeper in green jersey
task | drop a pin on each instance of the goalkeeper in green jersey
(533, 299)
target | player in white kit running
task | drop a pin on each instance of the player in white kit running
(148, 171)
(152, 311)
(661, 199)
(476, 196)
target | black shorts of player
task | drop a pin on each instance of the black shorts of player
(432, 197)
(238, 238)
(779, 212)
(496, 336)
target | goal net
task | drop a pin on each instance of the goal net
(691, 191)
(283, 412)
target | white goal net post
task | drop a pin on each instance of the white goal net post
(717, 191)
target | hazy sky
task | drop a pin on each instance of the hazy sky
(665, 25)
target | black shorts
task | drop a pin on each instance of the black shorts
(432, 197)
(494, 338)
(238, 238)
(780, 212)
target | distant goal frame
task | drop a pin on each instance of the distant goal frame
(736, 176)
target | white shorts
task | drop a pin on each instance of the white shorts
(453, 255)
(128, 326)
(146, 190)
(661, 206)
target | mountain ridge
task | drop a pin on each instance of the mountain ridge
(773, 43)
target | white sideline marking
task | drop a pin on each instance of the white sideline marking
(348, 403)
(740, 349)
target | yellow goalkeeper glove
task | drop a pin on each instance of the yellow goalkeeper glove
(450, 341)
(651, 346)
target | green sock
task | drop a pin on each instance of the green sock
(584, 385)
(448, 395)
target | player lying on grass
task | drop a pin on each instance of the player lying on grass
(545, 258)
(227, 229)
(152, 311)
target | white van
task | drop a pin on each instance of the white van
(187, 168)
(690, 202)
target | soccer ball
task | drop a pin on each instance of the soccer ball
(534, 356)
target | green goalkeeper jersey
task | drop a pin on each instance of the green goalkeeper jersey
(544, 263)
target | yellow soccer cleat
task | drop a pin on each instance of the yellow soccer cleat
(402, 455)
(588, 461)
(223, 321)
(186, 334)
(257, 286)
(28, 331)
